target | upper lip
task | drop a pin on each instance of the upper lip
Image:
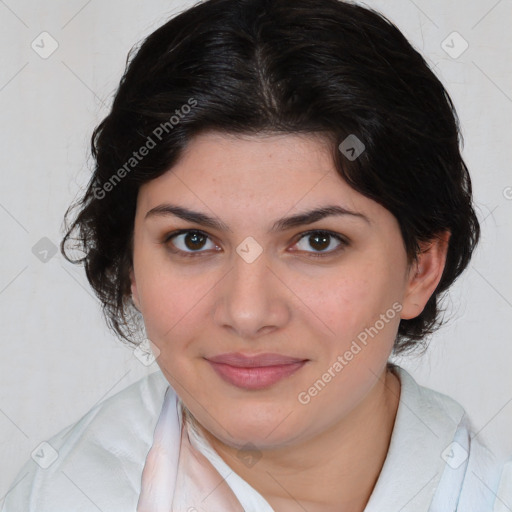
(244, 361)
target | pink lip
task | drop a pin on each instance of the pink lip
(254, 372)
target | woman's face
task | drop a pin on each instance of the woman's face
(255, 283)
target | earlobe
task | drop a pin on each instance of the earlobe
(425, 274)
(133, 287)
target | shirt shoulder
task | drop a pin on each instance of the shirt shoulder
(435, 461)
(95, 463)
(503, 501)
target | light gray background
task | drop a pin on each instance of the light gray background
(59, 359)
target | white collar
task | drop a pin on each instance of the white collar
(424, 429)
(425, 423)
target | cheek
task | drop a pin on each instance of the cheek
(163, 295)
(351, 303)
(176, 308)
(362, 310)
(170, 306)
(359, 311)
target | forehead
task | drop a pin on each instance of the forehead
(260, 175)
(238, 161)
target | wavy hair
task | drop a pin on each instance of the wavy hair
(281, 66)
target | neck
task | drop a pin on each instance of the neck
(334, 471)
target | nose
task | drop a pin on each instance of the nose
(253, 300)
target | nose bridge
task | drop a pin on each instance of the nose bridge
(250, 300)
(249, 281)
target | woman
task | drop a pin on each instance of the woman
(278, 203)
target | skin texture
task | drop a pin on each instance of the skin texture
(326, 454)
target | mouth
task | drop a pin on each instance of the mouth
(254, 372)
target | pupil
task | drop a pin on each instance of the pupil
(323, 243)
(195, 239)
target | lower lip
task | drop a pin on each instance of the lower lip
(255, 378)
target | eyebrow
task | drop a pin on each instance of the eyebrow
(282, 224)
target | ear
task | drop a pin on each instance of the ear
(133, 287)
(424, 275)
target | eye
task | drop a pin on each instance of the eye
(321, 240)
(188, 242)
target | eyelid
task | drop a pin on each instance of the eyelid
(177, 232)
(344, 241)
(167, 238)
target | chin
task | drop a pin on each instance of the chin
(250, 438)
(246, 428)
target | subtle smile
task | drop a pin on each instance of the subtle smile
(256, 372)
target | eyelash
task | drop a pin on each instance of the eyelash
(343, 242)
